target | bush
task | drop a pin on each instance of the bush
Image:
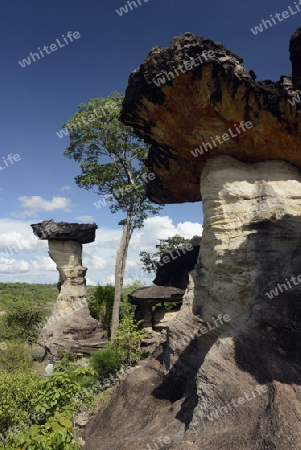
(16, 357)
(128, 338)
(101, 304)
(17, 392)
(108, 360)
(21, 322)
(56, 434)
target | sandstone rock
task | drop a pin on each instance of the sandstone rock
(80, 232)
(195, 106)
(228, 376)
(251, 242)
(70, 325)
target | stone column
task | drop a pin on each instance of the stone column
(70, 324)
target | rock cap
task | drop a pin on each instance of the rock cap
(177, 101)
(65, 231)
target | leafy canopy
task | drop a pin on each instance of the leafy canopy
(150, 261)
(111, 157)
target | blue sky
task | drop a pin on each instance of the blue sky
(38, 98)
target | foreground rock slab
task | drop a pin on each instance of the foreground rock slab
(70, 325)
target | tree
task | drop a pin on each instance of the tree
(150, 261)
(111, 160)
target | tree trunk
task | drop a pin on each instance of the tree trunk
(119, 273)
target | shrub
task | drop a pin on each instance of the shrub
(108, 360)
(17, 393)
(128, 338)
(16, 357)
(55, 434)
(101, 304)
(21, 322)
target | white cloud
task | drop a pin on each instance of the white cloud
(162, 227)
(86, 219)
(64, 188)
(32, 264)
(33, 204)
(14, 266)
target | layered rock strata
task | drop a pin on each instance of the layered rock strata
(228, 376)
(70, 325)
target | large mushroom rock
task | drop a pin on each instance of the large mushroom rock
(70, 325)
(196, 103)
(230, 371)
(174, 266)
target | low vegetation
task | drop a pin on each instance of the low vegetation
(38, 413)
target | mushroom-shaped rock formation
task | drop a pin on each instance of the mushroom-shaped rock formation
(171, 281)
(198, 113)
(231, 377)
(147, 297)
(70, 325)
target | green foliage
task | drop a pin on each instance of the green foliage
(55, 393)
(128, 337)
(21, 320)
(150, 261)
(66, 362)
(101, 304)
(111, 157)
(16, 357)
(27, 293)
(108, 360)
(55, 434)
(17, 393)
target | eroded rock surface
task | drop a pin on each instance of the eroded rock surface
(228, 375)
(196, 105)
(70, 325)
(230, 340)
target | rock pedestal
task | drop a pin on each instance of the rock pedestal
(70, 325)
(228, 376)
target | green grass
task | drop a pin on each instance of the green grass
(29, 293)
(37, 293)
